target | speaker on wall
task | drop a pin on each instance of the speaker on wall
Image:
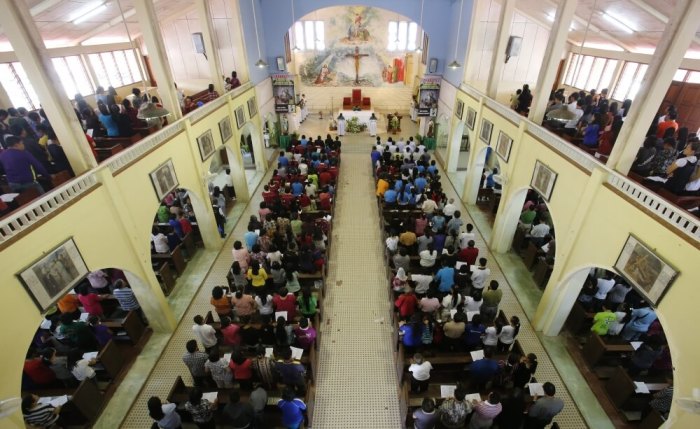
(198, 41)
(513, 47)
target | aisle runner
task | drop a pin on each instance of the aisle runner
(357, 385)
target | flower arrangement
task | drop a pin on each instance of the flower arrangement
(353, 125)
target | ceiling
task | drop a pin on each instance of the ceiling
(645, 17)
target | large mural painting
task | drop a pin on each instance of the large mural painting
(356, 50)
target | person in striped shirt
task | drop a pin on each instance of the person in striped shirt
(486, 411)
(39, 415)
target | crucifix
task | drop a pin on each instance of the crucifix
(357, 55)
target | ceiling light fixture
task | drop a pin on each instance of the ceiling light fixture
(618, 22)
(419, 49)
(294, 37)
(260, 63)
(89, 11)
(455, 64)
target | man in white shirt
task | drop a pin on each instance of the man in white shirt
(480, 274)
(422, 282)
(429, 206)
(310, 189)
(466, 236)
(605, 283)
(160, 243)
(428, 257)
(303, 168)
(401, 145)
(538, 232)
(449, 209)
(570, 127)
(420, 373)
(204, 333)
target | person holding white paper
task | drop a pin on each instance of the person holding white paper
(486, 411)
(454, 411)
(544, 409)
(201, 409)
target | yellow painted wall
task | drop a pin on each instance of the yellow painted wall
(95, 222)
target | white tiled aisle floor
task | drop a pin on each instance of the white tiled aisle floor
(357, 386)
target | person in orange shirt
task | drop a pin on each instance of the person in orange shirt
(69, 304)
(382, 186)
(221, 303)
(670, 122)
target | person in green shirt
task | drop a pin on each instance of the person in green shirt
(602, 321)
(528, 216)
(163, 214)
(491, 298)
(307, 303)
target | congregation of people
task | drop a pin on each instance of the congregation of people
(448, 302)
(270, 306)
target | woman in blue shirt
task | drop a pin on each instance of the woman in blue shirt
(108, 121)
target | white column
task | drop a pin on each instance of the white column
(669, 53)
(552, 57)
(240, 57)
(240, 182)
(4, 98)
(499, 50)
(148, 23)
(20, 29)
(210, 45)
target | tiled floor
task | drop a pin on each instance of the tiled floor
(357, 384)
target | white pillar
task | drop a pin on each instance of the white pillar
(499, 50)
(669, 53)
(4, 98)
(240, 182)
(20, 29)
(210, 45)
(148, 23)
(240, 57)
(552, 57)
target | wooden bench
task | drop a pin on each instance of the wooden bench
(530, 255)
(165, 278)
(596, 349)
(131, 325)
(84, 406)
(579, 319)
(174, 258)
(112, 359)
(620, 389)
(543, 270)
(104, 153)
(190, 245)
(653, 420)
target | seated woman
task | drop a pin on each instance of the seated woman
(645, 157)
(107, 120)
(123, 121)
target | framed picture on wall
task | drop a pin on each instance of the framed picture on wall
(164, 179)
(225, 129)
(57, 271)
(432, 66)
(543, 179)
(240, 117)
(280, 64)
(252, 107)
(485, 133)
(287, 49)
(645, 270)
(471, 118)
(424, 56)
(206, 144)
(503, 146)
(459, 110)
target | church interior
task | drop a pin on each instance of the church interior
(146, 145)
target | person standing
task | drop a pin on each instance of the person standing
(195, 360)
(486, 411)
(544, 409)
(204, 333)
(641, 319)
(164, 413)
(491, 299)
(480, 274)
(238, 414)
(454, 411)
(201, 409)
(425, 417)
(292, 408)
(603, 320)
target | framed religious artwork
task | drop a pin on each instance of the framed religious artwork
(459, 110)
(252, 107)
(57, 271)
(424, 56)
(432, 66)
(164, 179)
(485, 133)
(645, 270)
(503, 146)
(225, 129)
(287, 49)
(206, 144)
(471, 118)
(543, 180)
(280, 64)
(240, 117)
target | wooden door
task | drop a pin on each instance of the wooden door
(686, 97)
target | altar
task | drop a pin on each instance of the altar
(362, 115)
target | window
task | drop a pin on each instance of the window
(16, 83)
(587, 72)
(309, 36)
(680, 75)
(116, 68)
(693, 77)
(630, 80)
(73, 75)
(402, 36)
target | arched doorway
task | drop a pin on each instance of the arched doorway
(251, 146)
(442, 132)
(490, 182)
(271, 131)
(458, 155)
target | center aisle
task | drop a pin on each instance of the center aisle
(357, 385)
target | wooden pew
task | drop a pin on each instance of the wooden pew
(621, 391)
(174, 258)
(112, 359)
(542, 272)
(85, 404)
(165, 277)
(596, 348)
(652, 421)
(530, 255)
(190, 246)
(579, 319)
(106, 152)
(132, 325)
